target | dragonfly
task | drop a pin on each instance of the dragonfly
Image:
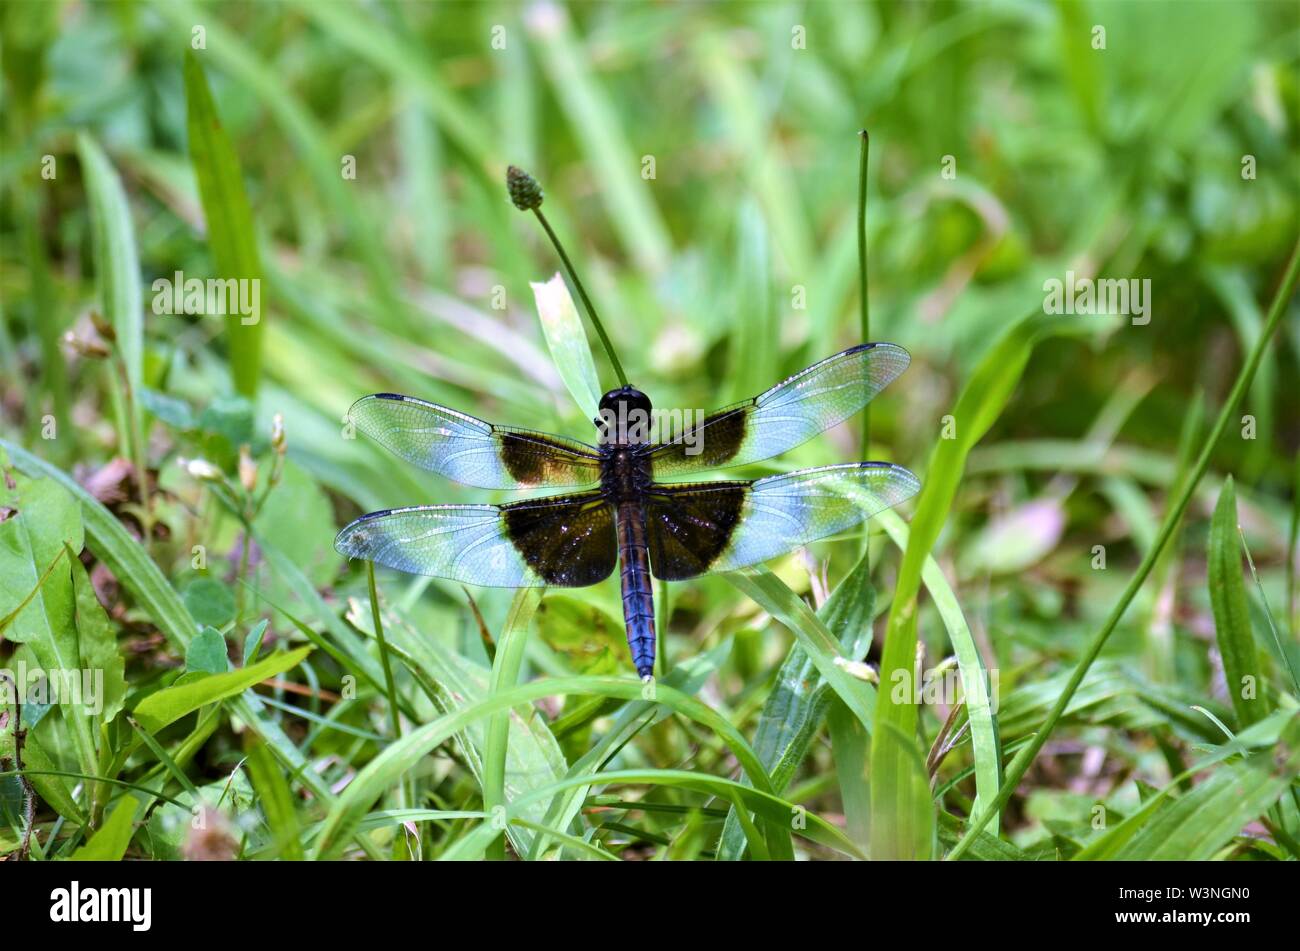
(669, 530)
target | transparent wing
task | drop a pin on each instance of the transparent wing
(469, 450)
(564, 541)
(720, 526)
(787, 415)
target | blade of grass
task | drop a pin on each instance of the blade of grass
(229, 219)
(1197, 825)
(567, 341)
(773, 809)
(800, 698)
(894, 754)
(985, 743)
(506, 666)
(110, 842)
(1282, 299)
(1232, 628)
(372, 41)
(274, 796)
(117, 275)
(1284, 649)
(393, 761)
(312, 145)
(596, 125)
(394, 709)
(776, 598)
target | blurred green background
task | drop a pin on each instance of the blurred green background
(700, 162)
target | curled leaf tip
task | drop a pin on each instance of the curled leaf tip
(524, 190)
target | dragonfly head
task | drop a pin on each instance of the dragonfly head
(624, 415)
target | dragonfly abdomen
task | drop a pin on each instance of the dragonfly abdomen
(638, 599)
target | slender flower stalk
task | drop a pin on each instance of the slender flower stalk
(526, 194)
(864, 304)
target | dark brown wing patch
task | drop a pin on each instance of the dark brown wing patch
(710, 444)
(691, 525)
(538, 459)
(567, 540)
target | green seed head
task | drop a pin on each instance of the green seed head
(524, 190)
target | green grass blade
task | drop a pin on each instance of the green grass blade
(597, 127)
(985, 742)
(774, 810)
(311, 143)
(1232, 628)
(275, 798)
(391, 763)
(1196, 826)
(851, 749)
(800, 698)
(229, 218)
(893, 753)
(368, 38)
(776, 598)
(110, 841)
(567, 341)
(117, 263)
(506, 667)
(171, 703)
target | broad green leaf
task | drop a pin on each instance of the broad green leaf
(171, 703)
(207, 653)
(591, 640)
(230, 222)
(55, 791)
(293, 516)
(97, 645)
(1245, 682)
(567, 341)
(110, 841)
(209, 601)
(47, 520)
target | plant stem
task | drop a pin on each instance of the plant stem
(864, 304)
(586, 301)
(383, 652)
(1020, 765)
